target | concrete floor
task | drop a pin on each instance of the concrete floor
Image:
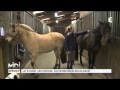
(47, 61)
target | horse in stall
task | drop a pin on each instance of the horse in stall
(92, 42)
(38, 43)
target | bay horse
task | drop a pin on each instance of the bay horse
(92, 42)
(38, 43)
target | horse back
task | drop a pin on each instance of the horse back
(86, 41)
(56, 36)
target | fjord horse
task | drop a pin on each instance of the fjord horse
(38, 43)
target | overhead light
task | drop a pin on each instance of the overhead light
(57, 21)
(74, 21)
(61, 15)
(36, 12)
(56, 14)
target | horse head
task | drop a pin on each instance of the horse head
(105, 30)
(12, 33)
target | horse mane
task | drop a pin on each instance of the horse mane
(99, 26)
(96, 29)
(26, 27)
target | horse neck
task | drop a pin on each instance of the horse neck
(97, 33)
(24, 36)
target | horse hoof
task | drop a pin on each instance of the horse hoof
(32, 74)
(82, 65)
(36, 75)
(90, 74)
(67, 67)
(73, 63)
(54, 68)
(71, 67)
(58, 67)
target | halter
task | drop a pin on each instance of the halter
(13, 26)
(14, 36)
(103, 32)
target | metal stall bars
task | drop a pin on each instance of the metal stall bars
(5, 19)
(37, 26)
(116, 23)
(114, 50)
(78, 25)
(87, 21)
(45, 29)
(108, 56)
(29, 20)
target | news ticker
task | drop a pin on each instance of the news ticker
(59, 71)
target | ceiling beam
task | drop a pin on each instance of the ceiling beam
(63, 23)
(65, 18)
(50, 14)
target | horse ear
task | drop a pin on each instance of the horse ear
(17, 26)
(101, 23)
(11, 24)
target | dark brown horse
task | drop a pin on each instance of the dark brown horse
(92, 41)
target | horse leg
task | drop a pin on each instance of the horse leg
(89, 56)
(33, 62)
(92, 62)
(93, 59)
(56, 54)
(81, 51)
(59, 50)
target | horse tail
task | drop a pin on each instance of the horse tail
(63, 55)
(76, 53)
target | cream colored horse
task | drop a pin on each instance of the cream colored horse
(38, 43)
